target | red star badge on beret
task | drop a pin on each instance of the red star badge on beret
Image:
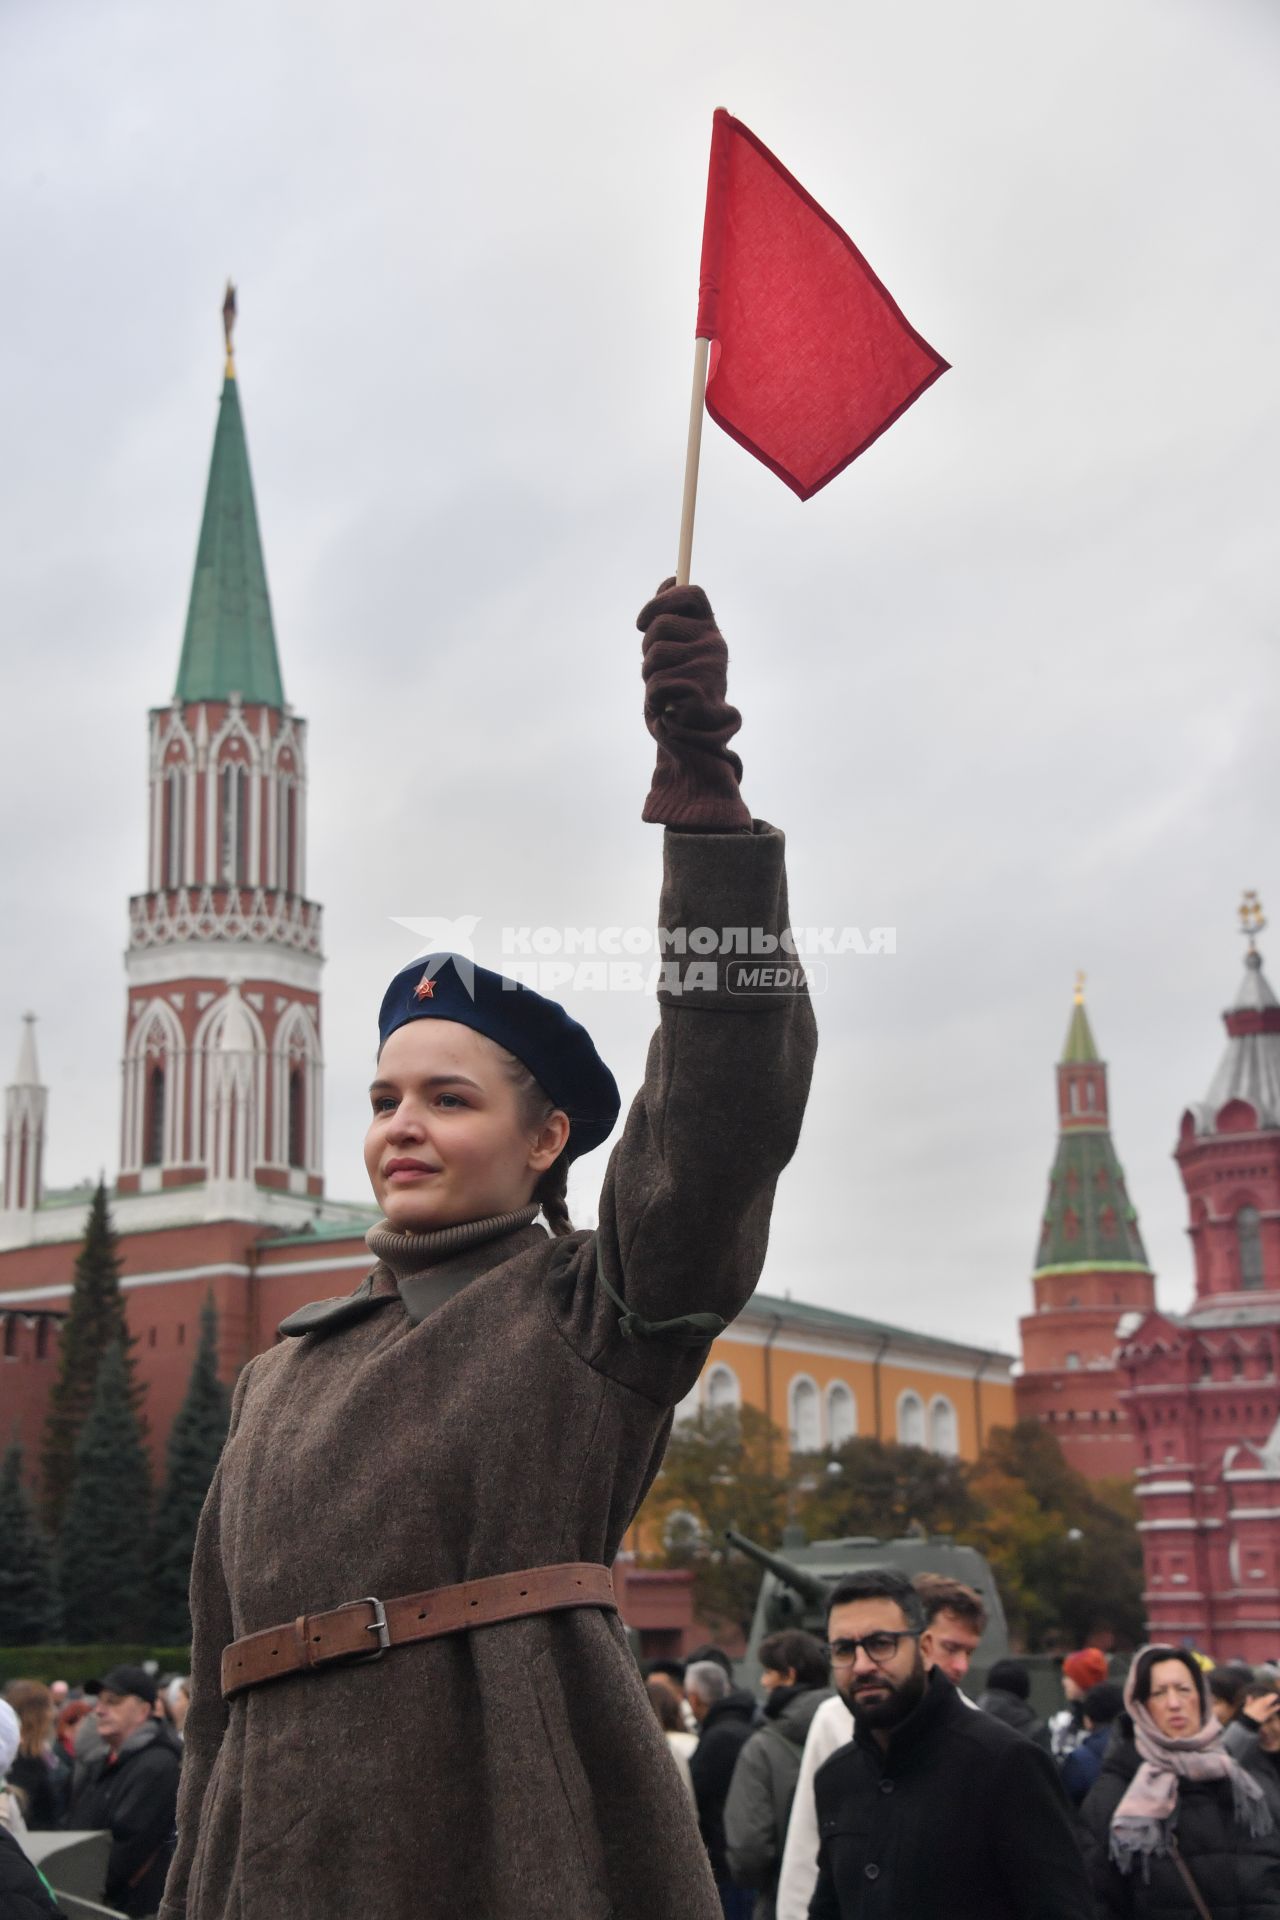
(425, 989)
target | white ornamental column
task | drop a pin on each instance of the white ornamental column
(25, 1108)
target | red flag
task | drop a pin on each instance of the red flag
(811, 358)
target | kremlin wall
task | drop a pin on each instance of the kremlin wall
(220, 1188)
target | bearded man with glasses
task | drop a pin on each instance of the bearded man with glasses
(933, 1812)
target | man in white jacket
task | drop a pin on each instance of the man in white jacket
(954, 1622)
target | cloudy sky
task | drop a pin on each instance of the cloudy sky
(1009, 683)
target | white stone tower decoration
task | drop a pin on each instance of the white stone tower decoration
(25, 1112)
(222, 1060)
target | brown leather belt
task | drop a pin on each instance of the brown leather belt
(318, 1639)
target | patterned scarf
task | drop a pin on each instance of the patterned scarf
(1141, 1823)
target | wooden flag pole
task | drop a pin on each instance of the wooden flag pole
(685, 559)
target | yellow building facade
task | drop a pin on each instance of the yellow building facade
(823, 1377)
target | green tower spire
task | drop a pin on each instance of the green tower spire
(1089, 1221)
(1080, 1049)
(230, 645)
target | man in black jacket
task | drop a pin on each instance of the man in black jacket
(132, 1791)
(24, 1893)
(726, 1717)
(933, 1812)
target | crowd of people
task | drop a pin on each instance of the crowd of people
(858, 1781)
(863, 1784)
(515, 1771)
(105, 1757)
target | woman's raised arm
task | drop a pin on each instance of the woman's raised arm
(684, 1213)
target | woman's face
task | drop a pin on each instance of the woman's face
(1174, 1701)
(446, 1143)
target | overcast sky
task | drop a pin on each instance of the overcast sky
(1008, 683)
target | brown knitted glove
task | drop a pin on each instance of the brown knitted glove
(695, 783)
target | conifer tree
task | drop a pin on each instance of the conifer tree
(28, 1601)
(195, 1444)
(96, 1318)
(102, 1549)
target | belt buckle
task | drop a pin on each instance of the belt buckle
(377, 1625)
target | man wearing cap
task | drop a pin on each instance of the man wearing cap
(132, 1791)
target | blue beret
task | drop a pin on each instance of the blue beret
(558, 1052)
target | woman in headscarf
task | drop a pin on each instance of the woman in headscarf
(1176, 1826)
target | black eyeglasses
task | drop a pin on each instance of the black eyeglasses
(879, 1647)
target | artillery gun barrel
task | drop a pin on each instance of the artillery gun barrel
(811, 1588)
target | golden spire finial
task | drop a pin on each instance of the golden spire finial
(1252, 920)
(228, 323)
(1080, 979)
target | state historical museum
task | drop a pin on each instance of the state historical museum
(1189, 1405)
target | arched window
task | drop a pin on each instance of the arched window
(1073, 1363)
(911, 1420)
(1090, 1095)
(806, 1415)
(944, 1429)
(11, 1336)
(1249, 1241)
(1073, 1097)
(235, 825)
(722, 1389)
(42, 1337)
(287, 829)
(842, 1414)
(174, 825)
(297, 1118)
(153, 1117)
(689, 1407)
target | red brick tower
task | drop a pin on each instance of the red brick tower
(222, 1062)
(1203, 1390)
(1091, 1270)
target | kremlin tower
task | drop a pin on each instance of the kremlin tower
(220, 1189)
(222, 1061)
(1202, 1391)
(1091, 1270)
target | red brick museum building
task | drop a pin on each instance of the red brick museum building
(1189, 1405)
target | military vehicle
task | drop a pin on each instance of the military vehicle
(794, 1590)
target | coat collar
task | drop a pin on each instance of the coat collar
(421, 1270)
(737, 1704)
(940, 1704)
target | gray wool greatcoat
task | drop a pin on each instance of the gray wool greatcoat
(516, 1772)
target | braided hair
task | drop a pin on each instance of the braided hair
(550, 1194)
(536, 1107)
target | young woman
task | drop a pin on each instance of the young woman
(34, 1771)
(1176, 1826)
(468, 1436)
